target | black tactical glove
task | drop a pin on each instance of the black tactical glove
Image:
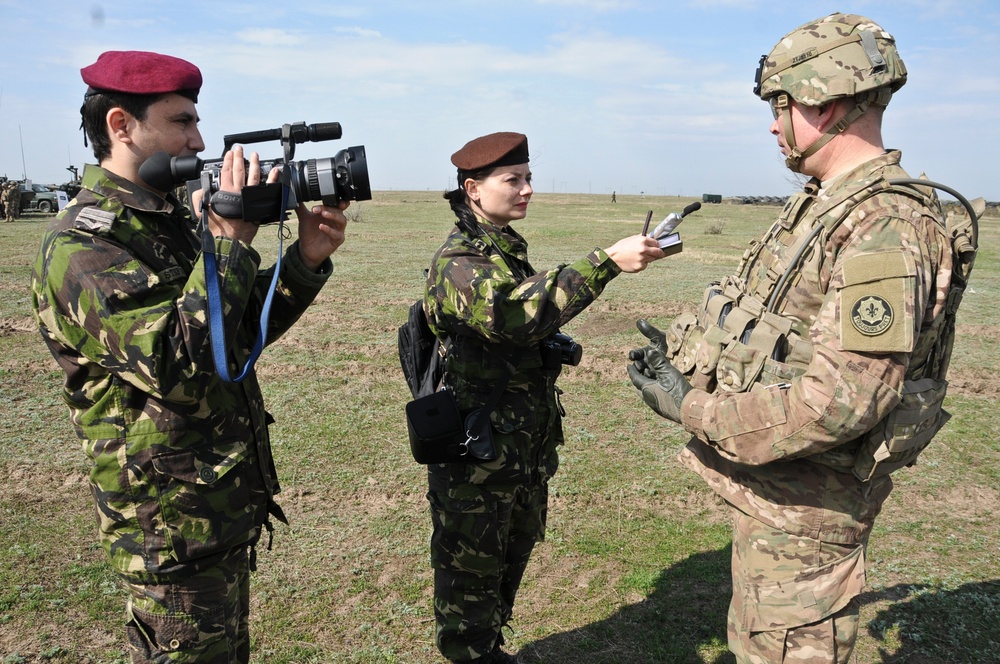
(663, 387)
(658, 341)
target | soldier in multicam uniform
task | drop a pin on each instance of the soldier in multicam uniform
(182, 473)
(818, 368)
(11, 200)
(485, 296)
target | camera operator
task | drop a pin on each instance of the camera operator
(182, 473)
(497, 310)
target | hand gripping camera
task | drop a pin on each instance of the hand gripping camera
(343, 177)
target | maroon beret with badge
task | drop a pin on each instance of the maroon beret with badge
(504, 148)
(141, 73)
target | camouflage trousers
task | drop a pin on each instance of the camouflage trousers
(482, 539)
(203, 618)
(795, 599)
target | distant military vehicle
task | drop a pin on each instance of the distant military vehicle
(38, 197)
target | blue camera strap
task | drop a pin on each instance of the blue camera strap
(217, 328)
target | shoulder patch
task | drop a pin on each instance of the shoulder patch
(871, 315)
(877, 302)
(94, 219)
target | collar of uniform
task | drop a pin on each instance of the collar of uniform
(870, 169)
(105, 183)
(506, 238)
(843, 187)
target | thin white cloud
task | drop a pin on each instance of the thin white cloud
(269, 37)
(357, 32)
(125, 24)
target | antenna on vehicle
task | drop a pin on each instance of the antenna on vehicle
(24, 169)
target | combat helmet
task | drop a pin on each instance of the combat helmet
(839, 56)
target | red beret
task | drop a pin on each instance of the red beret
(141, 73)
(504, 148)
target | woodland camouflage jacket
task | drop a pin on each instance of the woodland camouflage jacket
(181, 461)
(485, 296)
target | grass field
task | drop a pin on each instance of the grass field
(635, 567)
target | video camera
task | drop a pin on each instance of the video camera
(343, 177)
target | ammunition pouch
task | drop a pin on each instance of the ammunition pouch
(734, 343)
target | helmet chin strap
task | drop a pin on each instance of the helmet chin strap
(795, 156)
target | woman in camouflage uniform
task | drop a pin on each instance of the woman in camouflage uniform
(485, 296)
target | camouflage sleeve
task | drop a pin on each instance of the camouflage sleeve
(883, 285)
(297, 287)
(468, 293)
(149, 327)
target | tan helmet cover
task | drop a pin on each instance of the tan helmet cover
(841, 55)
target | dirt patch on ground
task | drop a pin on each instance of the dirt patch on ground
(961, 503)
(28, 484)
(12, 326)
(707, 507)
(971, 502)
(15, 641)
(975, 380)
(610, 317)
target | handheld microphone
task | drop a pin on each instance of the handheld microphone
(674, 219)
(666, 237)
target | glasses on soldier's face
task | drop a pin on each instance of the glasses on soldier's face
(778, 103)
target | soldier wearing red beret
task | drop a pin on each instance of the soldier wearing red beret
(182, 474)
(486, 298)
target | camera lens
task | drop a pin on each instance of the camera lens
(344, 177)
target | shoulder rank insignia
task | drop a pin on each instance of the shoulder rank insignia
(94, 220)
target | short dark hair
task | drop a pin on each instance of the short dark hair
(94, 112)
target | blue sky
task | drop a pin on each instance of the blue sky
(625, 95)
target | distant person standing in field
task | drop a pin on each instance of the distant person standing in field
(818, 368)
(497, 310)
(182, 474)
(11, 200)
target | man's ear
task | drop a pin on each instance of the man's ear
(829, 114)
(120, 123)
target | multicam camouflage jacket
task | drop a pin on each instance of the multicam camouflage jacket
(858, 320)
(483, 294)
(181, 461)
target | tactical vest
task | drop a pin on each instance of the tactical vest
(743, 337)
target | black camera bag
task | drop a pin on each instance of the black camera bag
(439, 433)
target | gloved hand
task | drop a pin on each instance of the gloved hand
(658, 341)
(663, 387)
